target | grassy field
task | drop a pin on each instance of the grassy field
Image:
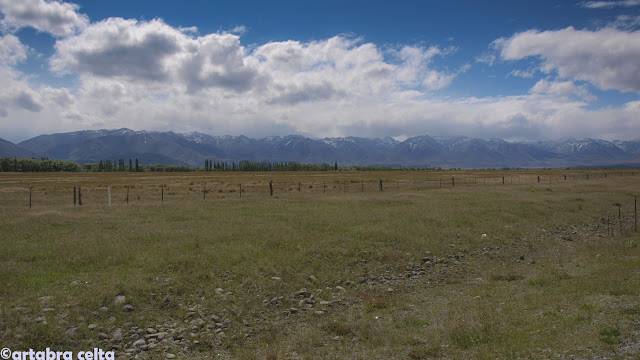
(327, 267)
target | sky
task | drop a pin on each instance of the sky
(514, 69)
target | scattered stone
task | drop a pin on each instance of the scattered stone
(128, 308)
(103, 336)
(304, 293)
(47, 309)
(120, 299)
(325, 303)
(340, 288)
(40, 319)
(336, 338)
(104, 308)
(170, 356)
(70, 331)
(139, 343)
(152, 331)
(168, 299)
(117, 335)
(277, 278)
(319, 312)
(522, 257)
(92, 326)
(293, 310)
(312, 278)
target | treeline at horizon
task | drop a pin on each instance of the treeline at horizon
(9, 164)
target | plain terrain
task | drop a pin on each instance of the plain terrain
(327, 267)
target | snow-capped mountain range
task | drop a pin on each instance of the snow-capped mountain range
(192, 149)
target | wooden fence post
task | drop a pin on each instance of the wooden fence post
(635, 212)
(109, 194)
(299, 186)
(74, 196)
(380, 184)
(79, 196)
(162, 199)
(453, 182)
(240, 191)
(204, 192)
(324, 186)
(271, 188)
(127, 194)
(30, 191)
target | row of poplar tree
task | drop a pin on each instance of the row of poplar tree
(248, 165)
(8, 164)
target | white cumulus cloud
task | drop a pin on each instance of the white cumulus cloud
(562, 88)
(57, 18)
(607, 58)
(153, 51)
(12, 51)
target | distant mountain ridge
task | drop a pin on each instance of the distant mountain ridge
(192, 149)
(9, 149)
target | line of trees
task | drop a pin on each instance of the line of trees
(45, 165)
(8, 164)
(249, 165)
(109, 165)
(121, 165)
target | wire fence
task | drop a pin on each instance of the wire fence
(119, 190)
